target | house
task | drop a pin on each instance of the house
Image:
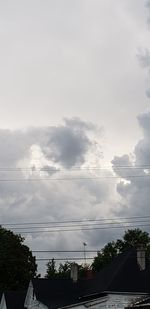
(124, 281)
(13, 300)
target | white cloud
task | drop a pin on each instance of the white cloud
(27, 153)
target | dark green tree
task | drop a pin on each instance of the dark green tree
(105, 256)
(17, 264)
(51, 271)
(64, 270)
(131, 238)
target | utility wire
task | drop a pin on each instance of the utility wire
(75, 221)
(72, 178)
(56, 259)
(85, 229)
(64, 251)
(65, 259)
(80, 168)
(80, 225)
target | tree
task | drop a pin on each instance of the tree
(51, 271)
(131, 238)
(17, 264)
(105, 257)
(64, 270)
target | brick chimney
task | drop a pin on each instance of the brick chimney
(74, 272)
(141, 257)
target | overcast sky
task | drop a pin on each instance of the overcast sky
(74, 91)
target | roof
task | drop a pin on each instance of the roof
(56, 293)
(15, 299)
(121, 276)
(124, 275)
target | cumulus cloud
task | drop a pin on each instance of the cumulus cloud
(51, 153)
(68, 144)
(133, 187)
(47, 155)
(55, 152)
(135, 183)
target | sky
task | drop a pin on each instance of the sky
(74, 94)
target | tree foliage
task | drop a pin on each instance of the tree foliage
(51, 271)
(17, 264)
(64, 270)
(131, 238)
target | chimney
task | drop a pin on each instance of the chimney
(74, 272)
(141, 257)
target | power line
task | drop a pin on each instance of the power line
(80, 225)
(80, 168)
(72, 178)
(65, 259)
(56, 259)
(64, 251)
(85, 229)
(75, 221)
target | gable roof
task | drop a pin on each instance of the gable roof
(124, 275)
(56, 293)
(121, 276)
(15, 299)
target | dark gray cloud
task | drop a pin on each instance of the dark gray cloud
(65, 144)
(68, 144)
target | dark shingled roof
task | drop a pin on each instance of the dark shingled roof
(15, 299)
(123, 275)
(56, 293)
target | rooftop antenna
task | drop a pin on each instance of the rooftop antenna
(84, 244)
